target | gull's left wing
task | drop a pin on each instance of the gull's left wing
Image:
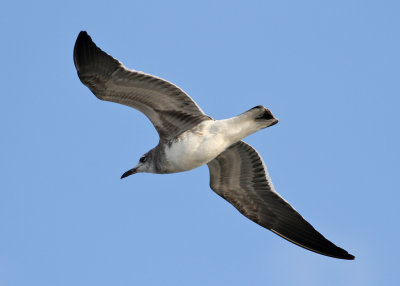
(240, 177)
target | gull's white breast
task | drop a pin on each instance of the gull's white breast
(197, 146)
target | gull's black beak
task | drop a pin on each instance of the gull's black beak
(128, 173)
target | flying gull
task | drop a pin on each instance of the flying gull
(189, 138)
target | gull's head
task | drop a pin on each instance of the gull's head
(143, 166)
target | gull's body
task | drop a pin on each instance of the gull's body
(189, 138)
(202, 143)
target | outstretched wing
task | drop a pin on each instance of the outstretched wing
(170, 109)
(240, 177)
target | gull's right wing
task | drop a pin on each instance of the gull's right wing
(169, 108)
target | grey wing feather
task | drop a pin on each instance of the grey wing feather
(169, 108)
(240, 177)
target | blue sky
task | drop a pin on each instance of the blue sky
(328, 70)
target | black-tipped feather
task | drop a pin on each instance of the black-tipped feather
(90, 60)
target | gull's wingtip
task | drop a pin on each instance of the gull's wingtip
(349, 257)
(321, 245)
(344, 255)
(90, 60)
(81, 46)
(82, 37)
(83, 33)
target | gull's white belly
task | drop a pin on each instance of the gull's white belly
(197, 146)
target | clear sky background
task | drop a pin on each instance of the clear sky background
(329, 70)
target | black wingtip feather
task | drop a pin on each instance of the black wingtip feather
(311, 240)
(90, 59)
(82, 42)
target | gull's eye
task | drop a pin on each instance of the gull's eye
(143, 159)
